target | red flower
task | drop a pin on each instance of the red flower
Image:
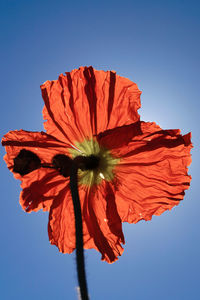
(141, 170)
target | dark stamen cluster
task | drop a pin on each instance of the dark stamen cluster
(90, 162)
(27, 161)
(62, 163)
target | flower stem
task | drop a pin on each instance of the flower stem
(79, 233)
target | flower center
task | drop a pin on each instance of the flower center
(95, 162)
(90, 162)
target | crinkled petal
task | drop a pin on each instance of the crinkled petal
(103, 221)
(39, 188)
(85, 102)
(152, 172)
(102, 228)
(61, 227)
(43, 145)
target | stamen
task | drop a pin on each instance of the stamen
(25, 162)
(63, 163)
(90, 162)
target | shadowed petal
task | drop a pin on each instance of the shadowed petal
(103, 221)
(113, 218)
(61, 227)
(41, 185)
(39, 188)
(102, 229)
(40, 143)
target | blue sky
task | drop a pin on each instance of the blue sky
(155, 44)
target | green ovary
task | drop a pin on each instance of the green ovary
(106, 165)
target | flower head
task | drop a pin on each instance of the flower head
(129, 169)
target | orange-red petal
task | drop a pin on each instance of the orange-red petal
(42, 144)
(152, 172)
(102, 228)
(61, 227)
(85, 102)
(103, 221)
(39, 188)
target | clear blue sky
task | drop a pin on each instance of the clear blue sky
(155, 44)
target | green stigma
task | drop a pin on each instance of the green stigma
(106, 165)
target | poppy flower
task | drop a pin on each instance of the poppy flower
(135, 169)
